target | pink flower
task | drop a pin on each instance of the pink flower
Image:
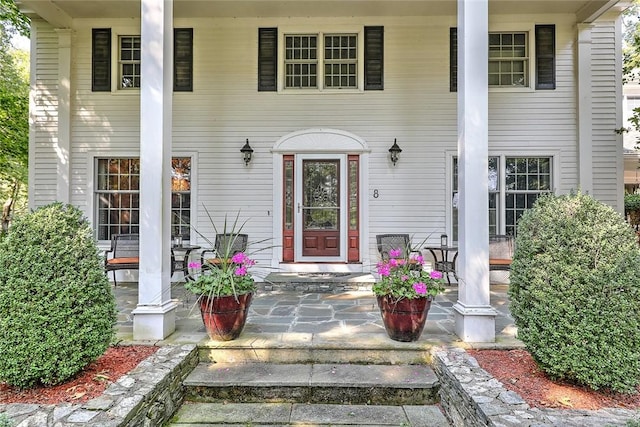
(393, 262)
(420, 288)
(241, 271)
(419, 259)
(395, 253)
(435, 274)
(384, 269)
(194, 265)
(238, 258)
(404, 278)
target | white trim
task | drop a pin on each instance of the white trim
(63, 140)
(529, 30)
(320, 140)
(585, 108)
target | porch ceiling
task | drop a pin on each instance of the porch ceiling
(62, 12)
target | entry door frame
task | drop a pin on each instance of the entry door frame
(321, 141)
(299, 232)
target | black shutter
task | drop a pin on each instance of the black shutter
(101, 60)
(267, 59)
(373, 58)
(453, 59)
(545, 56)
(183, 59)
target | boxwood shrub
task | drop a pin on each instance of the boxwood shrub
(57, 310)
(575, 292)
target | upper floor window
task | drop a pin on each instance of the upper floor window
(321, 61)
(129, 62)
(338, 60)
(128, 69)
(523, 59)
(508, 59)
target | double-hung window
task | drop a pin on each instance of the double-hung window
(117, 196)
(518, 59)
(508, 60)
(514, 185)
(129, 61)
(329, 61)
(128, 53)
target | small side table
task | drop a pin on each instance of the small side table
(185, 250)
(444, 262)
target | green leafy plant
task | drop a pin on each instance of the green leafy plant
(575, 292)
(632, 207)
(57, 310)
(5, 421)
(404, 277)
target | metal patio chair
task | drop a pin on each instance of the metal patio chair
(125, 250)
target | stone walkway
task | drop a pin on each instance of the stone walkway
(348, 315)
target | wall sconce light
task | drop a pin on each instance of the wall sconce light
(246, 151)
(444, 240)
(395, 150)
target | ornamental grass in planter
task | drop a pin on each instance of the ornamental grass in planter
(223, 284)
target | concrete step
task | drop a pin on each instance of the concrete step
(299, 414)
(334, 383)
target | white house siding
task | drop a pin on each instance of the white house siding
(44, 116)
(225, 108)
(608, 178)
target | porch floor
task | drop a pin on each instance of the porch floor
(290, 315)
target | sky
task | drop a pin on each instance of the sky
(20, 42)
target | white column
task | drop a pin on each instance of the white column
(585, 117)
(154, 317)
(475, 318)
(63, 146)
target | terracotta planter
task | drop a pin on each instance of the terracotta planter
(404, 318)
(224, 317)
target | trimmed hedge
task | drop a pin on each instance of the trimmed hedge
(575, 292)
(57, 311)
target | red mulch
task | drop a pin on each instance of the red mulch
(518, 372)
(88, 384)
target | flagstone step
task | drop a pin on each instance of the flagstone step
(326, 282)
(301, 415)
(312, 383)
(330, 347)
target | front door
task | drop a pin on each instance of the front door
(321, 216)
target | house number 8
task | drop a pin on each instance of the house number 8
(375, 194)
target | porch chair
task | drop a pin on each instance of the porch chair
(388, 242)
(225, 244)
(500, 252)
(125, 250)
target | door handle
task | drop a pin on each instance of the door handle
(299, 207)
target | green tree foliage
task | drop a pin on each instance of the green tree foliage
(14, 113)
(575, 292)
(631, 43)
(57, 311)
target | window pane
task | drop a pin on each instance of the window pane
(340, 61)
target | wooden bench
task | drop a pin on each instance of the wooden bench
(500, 252)
(125, 250)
